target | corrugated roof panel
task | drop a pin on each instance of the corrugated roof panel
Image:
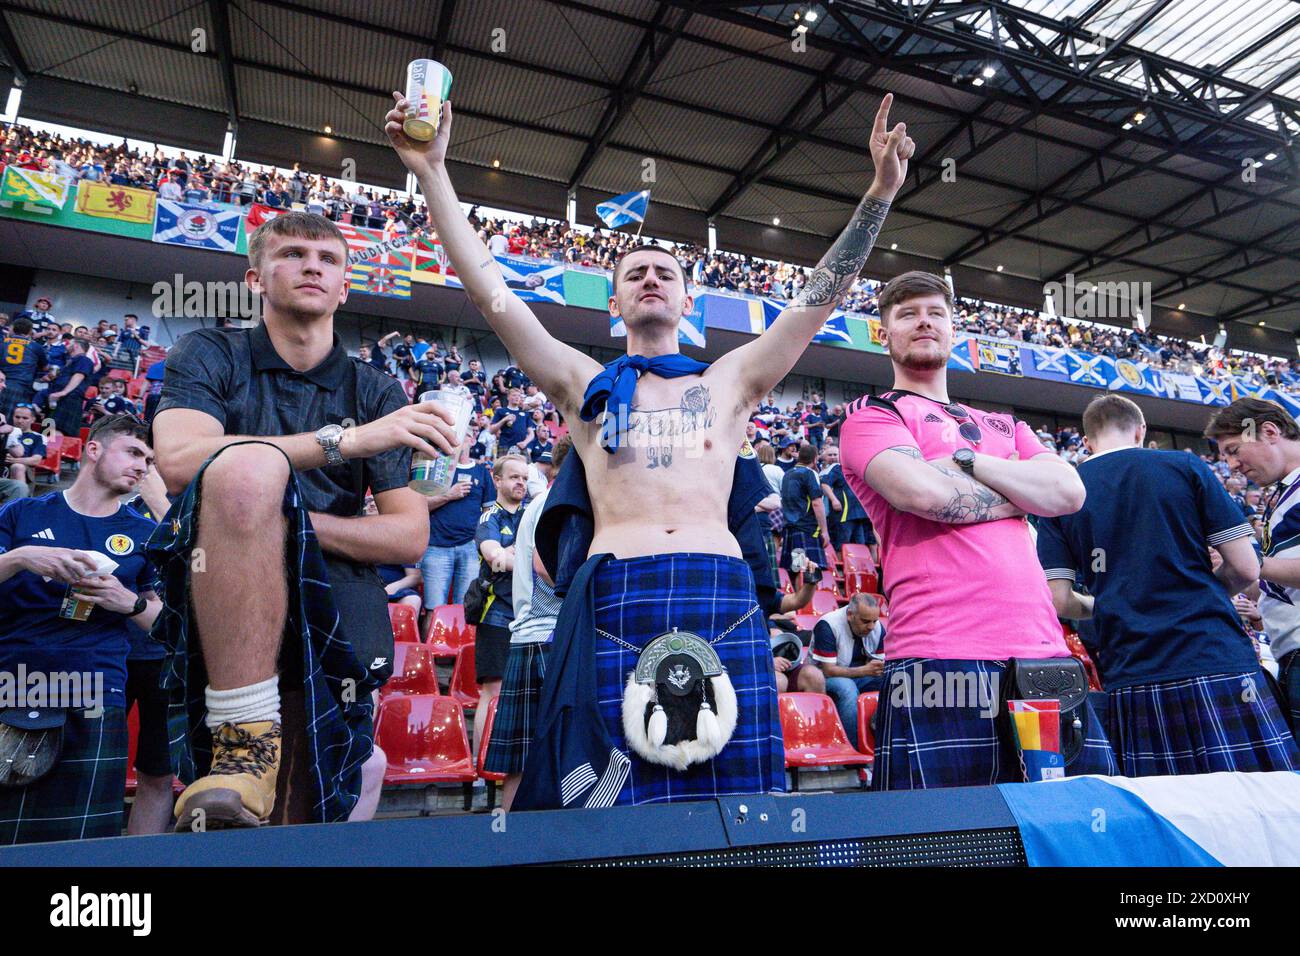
(650, 126)
(618, 171)
(88, 57)
(1182, 253)
(1138, 196)
(534, 154)
(163, 19)
(796, 211)
(825, 168)
(548, 100)
(695, 73)
(309, 105)
(964, 199)
(415, 19)
(566, 40)
(1029, 163)
(759, 41)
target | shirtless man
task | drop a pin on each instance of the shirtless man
(659, 448)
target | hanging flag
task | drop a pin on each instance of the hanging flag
(533, 280)
(38, 191)
(429, 263)
(197, 225)
(257, 214)
(629, 207)
(378, 265)
(1001, 357)
(834, 329)
(116, 202)
(1037, 728)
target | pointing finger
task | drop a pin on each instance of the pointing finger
(882, 116)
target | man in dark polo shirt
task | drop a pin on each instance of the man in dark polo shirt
(804, 512)
(68, 390)
(510, 424)
(273, 587)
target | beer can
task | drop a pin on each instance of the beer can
(428, 84)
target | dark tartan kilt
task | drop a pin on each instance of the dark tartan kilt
(637, 599)
(1223, 722)
(82, 797)
(517, 702)
(316, 654)
(919, 747)
(811, 544)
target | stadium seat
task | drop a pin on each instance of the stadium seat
(71, 450)
(92, 393)
(136, 387)
(446, 631)
(813, 735)
(120, 373)
(867, 702)
(857, 557)
(805, 622)
(414, 671)
(1080, 653)
(860, 582)
(403, 621)
(85, 433)
(425, 741)
(783, 579)
(463, 689)
(50, 464)
(492, 778)
(823, 602)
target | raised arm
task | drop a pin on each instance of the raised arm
(934, 489)
(760, 364)
(562, 371)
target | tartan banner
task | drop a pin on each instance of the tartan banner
(116, 202)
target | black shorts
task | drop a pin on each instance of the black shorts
(152, 754)
(363, 614)
(491, 650)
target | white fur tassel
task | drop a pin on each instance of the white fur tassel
(707, 730)
(657, 730)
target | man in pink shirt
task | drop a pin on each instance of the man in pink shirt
(947, 488)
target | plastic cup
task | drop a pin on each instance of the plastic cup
(433, 476)
(428, 84)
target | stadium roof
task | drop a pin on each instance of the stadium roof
(1104, 138)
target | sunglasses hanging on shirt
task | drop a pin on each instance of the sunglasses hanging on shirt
(968, 429)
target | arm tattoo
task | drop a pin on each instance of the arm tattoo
(846, 256)
(970, 505)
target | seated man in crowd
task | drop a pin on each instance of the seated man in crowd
(847, 646)
(286, 597)
(50, 629)
(1185, 690)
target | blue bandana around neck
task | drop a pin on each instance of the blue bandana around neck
(611, 391)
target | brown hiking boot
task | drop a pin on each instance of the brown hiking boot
(239, 791)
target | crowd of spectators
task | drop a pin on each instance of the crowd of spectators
(201, 178)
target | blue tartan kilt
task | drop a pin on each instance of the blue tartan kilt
(811, 544)
(336, 687)
(920, 747)
(637, 599)
(1207, 724)
(517, 703)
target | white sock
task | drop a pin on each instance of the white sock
(243, 705)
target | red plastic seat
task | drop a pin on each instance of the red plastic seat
(447, 631)
(120, 373)
(85, 433)
(805, 622)
(857, 557)
(884, 606)
(860, 582)
(424, 739)
(402, 617)
(52, 461)
(1079, 652)
(71, 450)
(813, 734)
(823, 602)
(783, 578)
(867, 703)
(414, 671)
(463, 689)
(490, 776)
(136, 387)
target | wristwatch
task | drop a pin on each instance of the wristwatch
(329, 438)
(140, 605)
(965, 459)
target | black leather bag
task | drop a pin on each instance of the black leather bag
(31, 742)
(1057, 678)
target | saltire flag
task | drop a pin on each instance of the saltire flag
(1089, 369)
(533, 280)
(116, 202)
(1049, 363)
(690, 331)
(257, 214)
(429, 263)
(376, 265)
(997, 357)
(629, 207)
(38, 191)
(1135, 377)
(1037, 728)
(1182, 386)
(1212, 393)
(834, 329)
(960, 358)
(197, 225)
(1288, 402)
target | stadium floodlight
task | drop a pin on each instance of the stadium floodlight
(978, 81)
(1181, 306)
(1271, 156)
(496, 164)
(999, 268)
(776, 220)
(893, 246)
(1139, 117)
(988, 72)
(1128, 126)
(11, 106)
(328, 130)
(810, 16)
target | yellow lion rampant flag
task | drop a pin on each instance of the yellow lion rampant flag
(115, 202)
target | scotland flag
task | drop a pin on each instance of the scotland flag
(189, 224)
(629, 207)
(835, 328)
